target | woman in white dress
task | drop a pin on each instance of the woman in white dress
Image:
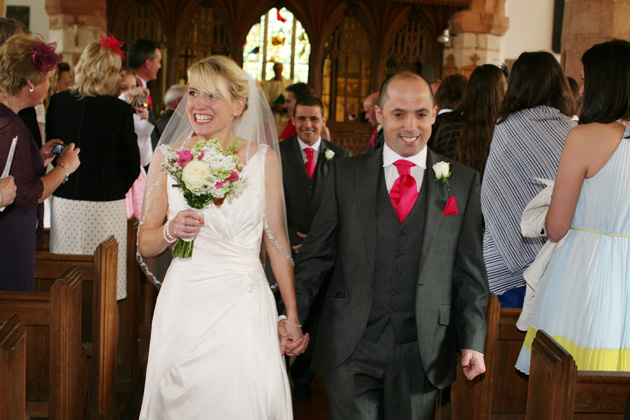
(214, 350)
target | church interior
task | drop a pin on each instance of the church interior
(343, 50)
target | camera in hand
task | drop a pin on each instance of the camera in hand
(139, 102)
(58, 149)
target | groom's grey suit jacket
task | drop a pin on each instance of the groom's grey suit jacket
(451, 291)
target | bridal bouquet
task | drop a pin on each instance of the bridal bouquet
(205, 173)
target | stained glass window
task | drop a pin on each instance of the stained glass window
(277, 38)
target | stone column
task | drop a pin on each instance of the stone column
(589, 22)
(74, 24)
(477, 30)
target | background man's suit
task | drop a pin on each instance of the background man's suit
(448, 278)
(303, 195)
(302, 198)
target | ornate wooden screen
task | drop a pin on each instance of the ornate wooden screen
(142, 21)
(204, 35)
(413, 49)
(347, 70)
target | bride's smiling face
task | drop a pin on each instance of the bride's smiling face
(210, 115)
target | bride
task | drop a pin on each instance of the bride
(214, 350)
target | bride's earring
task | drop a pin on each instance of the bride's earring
(30, 89)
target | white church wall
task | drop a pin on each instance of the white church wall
(531, 26)
(39, 21)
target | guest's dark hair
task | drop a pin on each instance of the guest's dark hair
(309, 100)
(478, 111)
(61, 67)
(536, 79)
(451, 91)
(139, 51)
(10, 27)
(574, 86)
(299, 90)
(606, 83)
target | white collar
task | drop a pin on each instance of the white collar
(142, 81)
(314, 146)
(389, 157)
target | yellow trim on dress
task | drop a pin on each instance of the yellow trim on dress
(600, 233)
(588, 359)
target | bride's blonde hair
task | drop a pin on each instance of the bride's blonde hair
(221, 77)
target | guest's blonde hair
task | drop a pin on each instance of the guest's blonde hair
(221, 77)
(16, 64)
(97, 72)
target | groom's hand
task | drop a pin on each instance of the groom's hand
(473, 363)
(292, 342)
(296, 347)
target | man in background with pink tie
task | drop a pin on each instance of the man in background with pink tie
(306, 158)
(400, 229)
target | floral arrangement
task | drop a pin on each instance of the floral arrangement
(205, 173)
(329, 154)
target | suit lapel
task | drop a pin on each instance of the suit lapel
(366, 184)
(437, 195)
(321, 171)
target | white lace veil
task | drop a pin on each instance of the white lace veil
(256, 125)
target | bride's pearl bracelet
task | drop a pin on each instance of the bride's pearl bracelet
(166, 234)
(284, 317)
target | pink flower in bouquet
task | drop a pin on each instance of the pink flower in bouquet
(220, 184)
(202, 153)
(233, 176)
(183, 157)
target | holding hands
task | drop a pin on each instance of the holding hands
(292, 341)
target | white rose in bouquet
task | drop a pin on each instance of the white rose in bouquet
(194, 174)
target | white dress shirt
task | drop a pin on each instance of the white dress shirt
(391, 172)
(315, 147)
(143, 82)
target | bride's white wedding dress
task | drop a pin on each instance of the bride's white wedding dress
(214, 350)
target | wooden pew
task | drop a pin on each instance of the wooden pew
(354, 136)
(99, 318)
(509, 386)
(130, 310)
(472, 400)
(56, 367)
(558, 391)
(13, 369)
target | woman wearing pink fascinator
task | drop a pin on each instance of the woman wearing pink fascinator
(25, 63)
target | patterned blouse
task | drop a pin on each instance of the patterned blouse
(525, 146)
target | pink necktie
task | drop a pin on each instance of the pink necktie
(310, 163)
(404, 192)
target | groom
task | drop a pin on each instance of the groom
(408, 287)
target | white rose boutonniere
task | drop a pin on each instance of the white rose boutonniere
(329, 154)
(442, 172)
